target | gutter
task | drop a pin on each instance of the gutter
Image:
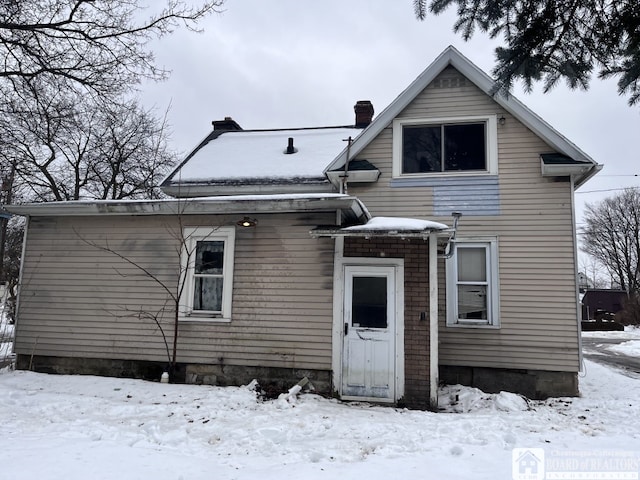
(592, 172)
(197, 206)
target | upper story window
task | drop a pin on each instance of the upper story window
(207, 272)
(446, 146)
(443, 148)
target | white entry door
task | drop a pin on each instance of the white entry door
(368, 359)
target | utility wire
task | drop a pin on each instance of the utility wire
(606, 190)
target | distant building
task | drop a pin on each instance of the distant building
(602, 304)
(583, 282)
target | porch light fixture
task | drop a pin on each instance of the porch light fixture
(502, 120)
(247, 222)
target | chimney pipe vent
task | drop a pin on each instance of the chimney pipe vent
(290, 148)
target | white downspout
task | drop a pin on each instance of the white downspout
(433, 321)
(575, 272)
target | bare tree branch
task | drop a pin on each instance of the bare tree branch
(98, 45)
(611, 237)
(68, 148)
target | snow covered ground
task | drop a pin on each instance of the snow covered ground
(631, 347)
(81, 427)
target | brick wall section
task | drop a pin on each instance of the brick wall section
(416, 293)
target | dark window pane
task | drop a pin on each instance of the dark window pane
(464, 147)
(209, 257)
(369, 302)
(421, 149)
(207, 294)
(472, 302)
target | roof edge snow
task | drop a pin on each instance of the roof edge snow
(283, 203)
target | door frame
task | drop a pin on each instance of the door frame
(338, 319)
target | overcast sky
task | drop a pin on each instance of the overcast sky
(296, 63)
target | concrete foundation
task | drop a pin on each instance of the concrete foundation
(272, 380)
(533, 384)
(92, 366)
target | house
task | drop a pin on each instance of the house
(583, 282)
(433, 242)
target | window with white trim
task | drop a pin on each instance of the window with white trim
(445, 146)
(207, 267)
(472, 284)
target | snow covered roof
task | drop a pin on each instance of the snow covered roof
(399, 224)
(252, 157)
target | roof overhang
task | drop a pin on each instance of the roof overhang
(351, 207)
(558, 165)
(355, 176)
(358, 171)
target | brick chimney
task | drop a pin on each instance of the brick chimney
(364, 113)
(227, 124)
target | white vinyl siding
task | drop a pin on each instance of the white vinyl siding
(537, 298)
(83, 302)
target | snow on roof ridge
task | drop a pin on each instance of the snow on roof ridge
(290, 129)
